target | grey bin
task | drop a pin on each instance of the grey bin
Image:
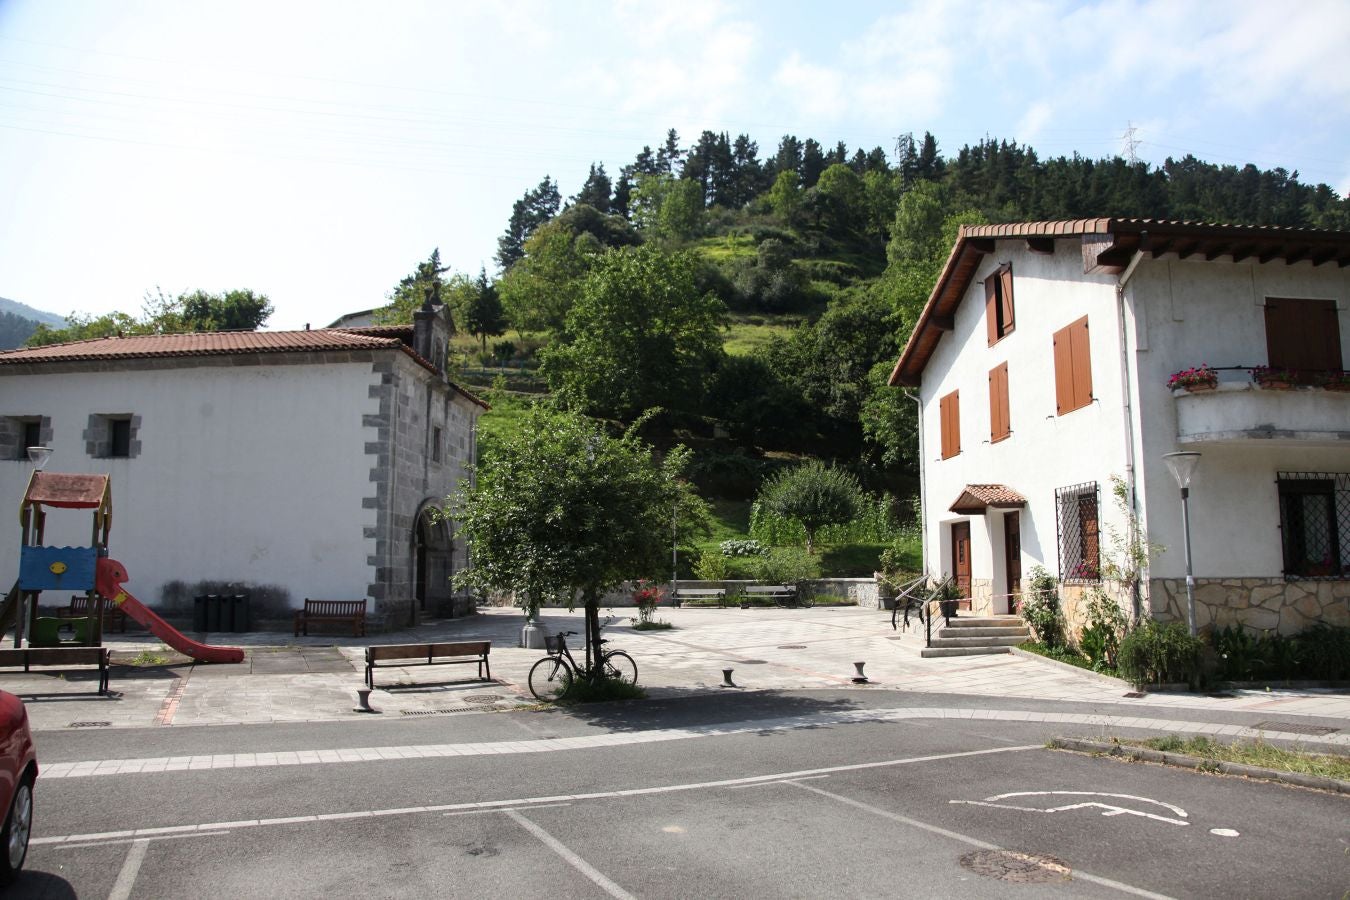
(221, 612)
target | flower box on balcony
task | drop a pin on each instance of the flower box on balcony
(1194, 380)
(1287, 379)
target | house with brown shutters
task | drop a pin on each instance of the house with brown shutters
(287, 464)
(1042, 364)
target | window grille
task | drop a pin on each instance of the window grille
(1315, 523)
(1079, 532)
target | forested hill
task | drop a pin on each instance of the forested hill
(821, 257)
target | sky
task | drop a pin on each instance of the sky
(316, 151)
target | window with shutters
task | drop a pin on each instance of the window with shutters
(1079, 532)
(998, 303)
(1303, 334)
(949, 415)
(999, 427)
(1073, 367)
(1315, 524)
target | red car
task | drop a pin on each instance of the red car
(18, 772)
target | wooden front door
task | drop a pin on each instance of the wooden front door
(1012, 555)
(961, 556)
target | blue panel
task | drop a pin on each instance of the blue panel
(57, 568)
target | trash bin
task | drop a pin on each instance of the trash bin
(221, 612)
(236, 613)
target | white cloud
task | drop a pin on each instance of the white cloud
(1032, 121)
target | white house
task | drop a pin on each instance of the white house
(292, 464)
(1042, 361)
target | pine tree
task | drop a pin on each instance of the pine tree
(529, 212)
(596, 190)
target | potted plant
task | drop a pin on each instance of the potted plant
(1287, 379)
(1195, 379)
(1336, 380)
(948, 596)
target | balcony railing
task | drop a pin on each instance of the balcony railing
(1256, 403)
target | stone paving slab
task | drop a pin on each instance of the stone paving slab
(287, 679)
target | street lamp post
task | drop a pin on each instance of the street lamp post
(1182, 464)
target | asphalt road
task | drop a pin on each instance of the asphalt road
(736, 796)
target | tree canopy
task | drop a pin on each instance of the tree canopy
(814, 495)
(235, 310)
(560, 509)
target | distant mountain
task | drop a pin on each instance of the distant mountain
(23, 310)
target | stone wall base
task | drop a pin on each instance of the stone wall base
(1260, 604)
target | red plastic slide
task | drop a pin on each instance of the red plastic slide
(108, 578)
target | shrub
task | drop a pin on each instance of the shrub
(1325, 652)
(813, 495)
(1106, 624)
(742, 548)
(783, 565)
(646, 597)
(1040, 609)
(711, 566)
(1157, 654)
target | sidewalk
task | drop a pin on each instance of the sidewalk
(285, 679)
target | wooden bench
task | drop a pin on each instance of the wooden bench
(320, 611)
(61, 657)
(428, 655)
(79, 608)
(779, 594)
(699, 595)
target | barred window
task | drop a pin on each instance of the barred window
(1079, 532)
(1315, 523)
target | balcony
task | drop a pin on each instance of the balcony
(1241, 407)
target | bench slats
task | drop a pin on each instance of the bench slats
(60, 656)
(441, 654)
(353, 611)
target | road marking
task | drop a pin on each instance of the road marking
(148, 765)
(1110, 809)
(502, 805)
(971, 841)
(126, 879)
(167, 837)
(570, 858)
(1223, 832)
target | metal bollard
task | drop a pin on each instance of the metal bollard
(860, 678)
(726, 679)
(363, 697)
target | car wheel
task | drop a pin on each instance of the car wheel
(18, 828)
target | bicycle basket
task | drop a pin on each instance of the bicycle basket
(551, 643)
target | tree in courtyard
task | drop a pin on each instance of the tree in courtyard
(640, 335)
(814, 495)
(560, 510)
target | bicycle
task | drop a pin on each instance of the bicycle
(552, 677)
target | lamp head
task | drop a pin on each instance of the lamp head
(38, 456)
(1182, 465)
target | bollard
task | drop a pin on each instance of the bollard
(726, 679)
(363, 697)
(860, 678)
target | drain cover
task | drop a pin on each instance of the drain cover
(90, 724)
(1133, 695)
(1295, 728)
(793, 647)
(482, 698)
(1010, 865)
(753, 662)
(430, 712)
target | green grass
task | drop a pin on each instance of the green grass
(507, 415)
(726, 247)
(1062, 654)
(653, 625)
(1257, 753)
(584, 691)
(743, 338)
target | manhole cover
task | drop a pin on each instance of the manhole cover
(1010, 865)
(793, 647)
(482, 698)
(90, 724)
(753, 662)
(1133, 695)
(1295, 728)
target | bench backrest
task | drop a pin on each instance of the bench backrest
(771, 589)
(428, 651)
(335, 607)
(54, 656)
(701, 592)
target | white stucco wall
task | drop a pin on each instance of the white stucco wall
(1188, 312)
(1045, 451)
(250, 474)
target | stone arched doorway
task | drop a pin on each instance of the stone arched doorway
(433, 564)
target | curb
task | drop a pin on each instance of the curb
(1259, 773)
(1176, 687)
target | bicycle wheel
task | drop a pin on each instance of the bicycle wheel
(551, 679)
(620, 665)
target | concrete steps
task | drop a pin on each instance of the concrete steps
(977, 636)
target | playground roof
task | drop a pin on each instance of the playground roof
(67, 491)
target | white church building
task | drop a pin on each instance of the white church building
(289, 464)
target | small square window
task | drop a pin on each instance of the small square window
(113, 436)
(18, 433)
(119, 438)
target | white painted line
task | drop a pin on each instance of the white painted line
(560, 799)
(973, 842)
(571, 858)
(167, 837)
(1110, 809)
(126, 879)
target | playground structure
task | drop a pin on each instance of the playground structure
(80, 569)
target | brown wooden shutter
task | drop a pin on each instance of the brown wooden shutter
(1063, 371)
(949, 410)
(1082, 364)
(999, 427)
(1006, 286)
(1303, 334)
(991, 308)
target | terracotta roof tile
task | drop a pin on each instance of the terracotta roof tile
(978, 497)
(216, 343)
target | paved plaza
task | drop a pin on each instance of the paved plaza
(307, 679)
